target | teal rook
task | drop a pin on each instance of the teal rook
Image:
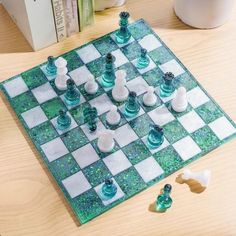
(143, 60)
(167, 87)
(123, 35)
(155, 136)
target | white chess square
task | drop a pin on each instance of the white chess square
(150, 42)
(72, 126)
(54, 149)
(15, 87)
(122, 110)
(80, 75)
(106, 202)
(165, 99)
(172, 66)
(196, 97)
(151, 66)
(102, 103)
(121, 59)
(34, 117)
(95, 134)
(125, 135)
(161, 115)
(149, 169)
(191, 121)
(186, 148)
(49, 77)
(85, 155)
(117, 162)
(44, 93)
(138, 85)
(88, 53)
(113, 36)
(222, 128)
(76, 184)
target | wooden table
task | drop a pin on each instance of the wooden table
(30, 202)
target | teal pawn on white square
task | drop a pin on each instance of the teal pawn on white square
(63, 120)
(108, 189)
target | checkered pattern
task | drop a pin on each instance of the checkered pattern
(72, 155)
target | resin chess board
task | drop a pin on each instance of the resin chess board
(72, 155)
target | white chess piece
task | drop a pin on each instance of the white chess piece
(106, 141)
(91, 86)
(120, 93)
(62, 76)
(202, 177)
(180, 103)
(150, 98)
(113, 116)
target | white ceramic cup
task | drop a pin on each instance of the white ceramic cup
(203, 14)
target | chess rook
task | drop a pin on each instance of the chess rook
(167, 87)
(143, 60)
(155, 136)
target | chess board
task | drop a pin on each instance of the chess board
(72, 156)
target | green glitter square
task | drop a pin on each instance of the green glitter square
(168, 159)
(205, 139)
(43, 133)
(77, 113)
(34, 77)
(130, 181)
(97, 66)
(141, 125)
(136, 151)
(174, 131)
(96, 173)
(186, 81)
(51, 108)
(73, 60)
(74, 139)
(24, 102)
(105, 45)
(160, 55)
(90, 96)
(64, 167)
(153, 77)
(130, 69)
(139, 29)
(132, 50)
(209, 112)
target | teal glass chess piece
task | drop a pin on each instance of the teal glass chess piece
(51, 69)
(132, 107)
(108, 189)
(90, 117)
(63, 120)
(123, 35)
(72, 94)
(155, 137)
(143, 60)
(167, 87)
(108, 77)
(164, 200)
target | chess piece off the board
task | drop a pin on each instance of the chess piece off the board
(150, 98)
(108, 189)
(180, 103)
(63, 120)
(132, 106)
(51, 69)
(164, 201)
(106, 141)
(167, 87)
(90, 118)
(91, 86)
(113, 116)
(155, 136)
(72, 94)
(143, 60)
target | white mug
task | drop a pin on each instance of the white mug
(203, 14)
(101, 5)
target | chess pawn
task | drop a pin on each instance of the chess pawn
(132, 106)
(164, 200)
(155, 137)
(72, 94)
(106, 141)
(120, 93)
(51, 68)
(143, 61)
(63, 120)
(91, 86)
(149, 98)
(180, 102)
(167, 87)
(108, 189)
(113, 116)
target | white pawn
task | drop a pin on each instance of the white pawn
(180, 103)
(120, 93)
(113, 116)
(91, 86)
(62, 76)
(106, 141)
(149, 98)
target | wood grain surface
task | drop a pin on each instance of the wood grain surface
(30, 201)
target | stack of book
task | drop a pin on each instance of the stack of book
(49, 21)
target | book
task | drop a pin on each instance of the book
(86, 13)
(60, 20)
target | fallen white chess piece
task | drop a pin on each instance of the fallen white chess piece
(202, 177)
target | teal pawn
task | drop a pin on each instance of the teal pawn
(90, 117)
(72, 94)
(143, 61)
(108, 190)
(155, 137)
(51, 69)
(63, 120)
(164, 200)
(123, 35)
(108, 77)
(167, 87)
(132, 106)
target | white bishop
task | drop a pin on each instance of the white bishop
(106, 141)
(180, 103)
(113, 116)
(149, 98)
(91, 86)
